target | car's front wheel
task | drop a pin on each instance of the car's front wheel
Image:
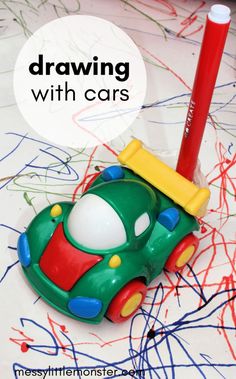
(182, 253)
(127, 301)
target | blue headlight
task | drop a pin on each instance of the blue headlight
(23, 250)
(112, 173)
(85, 307)
(169, 218)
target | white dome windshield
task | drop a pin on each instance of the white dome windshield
(94, 224)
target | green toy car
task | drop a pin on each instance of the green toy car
(96, 257)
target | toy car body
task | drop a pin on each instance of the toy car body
(96, 257)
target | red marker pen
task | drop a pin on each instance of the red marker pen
(217, 25)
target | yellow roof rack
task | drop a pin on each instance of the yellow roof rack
(194, 200)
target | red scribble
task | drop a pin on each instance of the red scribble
(229, 306)
(86, 176)
(166, 67)
(24, 347)
(168, 9)
(194, 32)
(53, 324)
(203, 229)
(22, 342)
(100, 339)
(188, 21)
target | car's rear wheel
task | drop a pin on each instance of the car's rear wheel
(182, 253)
(128, 300)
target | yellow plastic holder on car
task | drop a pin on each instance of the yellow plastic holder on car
(192, 199)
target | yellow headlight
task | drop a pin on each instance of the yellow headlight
(115, 261)
(56, 210)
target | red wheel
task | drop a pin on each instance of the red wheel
(182, 253)
(127, 301)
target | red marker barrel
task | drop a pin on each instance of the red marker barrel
(217, 25)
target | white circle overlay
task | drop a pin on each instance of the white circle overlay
(92, 91)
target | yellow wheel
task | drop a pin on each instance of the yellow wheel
(127, 301)
(182, 253)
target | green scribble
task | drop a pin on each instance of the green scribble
(225, 189)
(153, 63)
(29, 201)
(160, 26)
